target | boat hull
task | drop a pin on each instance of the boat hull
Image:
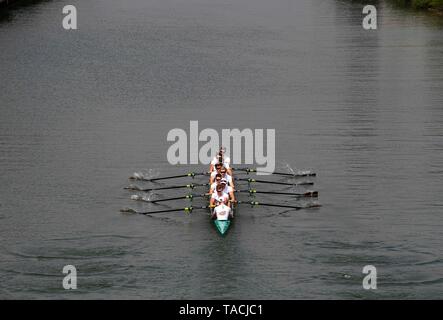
(222, 226)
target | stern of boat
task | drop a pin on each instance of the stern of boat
(222, 225)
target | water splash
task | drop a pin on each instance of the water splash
(295, 171)
(146, 198)
(145, 174)
(289, 168)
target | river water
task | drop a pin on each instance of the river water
(83, 110)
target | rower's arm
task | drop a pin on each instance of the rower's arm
(232, 196)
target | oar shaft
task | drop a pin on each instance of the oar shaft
(190, 174)
(304, 174)
(275, 205)
(152, 212)
(165, 188)
(279, 183)
(189, 196)
(168, 199)
(189, 209)
(186, 209)
(306, 194)
(255, 203)
(170, 177)
(191, 186)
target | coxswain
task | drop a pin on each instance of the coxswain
(222, 212)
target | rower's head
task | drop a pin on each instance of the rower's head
(223, 171)
(218, 166)
(223, 183)
(220, 188)
(218, 177)
(220, 154)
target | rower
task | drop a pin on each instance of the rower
(222, 212)
(216, 182)
(218, 167)
(220, 158)
(219, 196)
(228, 190)
(227, 177)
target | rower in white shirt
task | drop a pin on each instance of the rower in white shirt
(217, 181)
(219, 196)
(220, 158)
(219, 169)
(225, 188)
(229, 179)
(222, 212)
(213, 185)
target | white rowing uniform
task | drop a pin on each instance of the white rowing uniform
(227, 177)
(226, 161)
(222, 212)
(227, 189)
(224, 197)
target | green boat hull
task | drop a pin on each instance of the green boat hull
(222, 226)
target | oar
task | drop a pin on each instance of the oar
(189, 174)
(188, 196)
(190, 186)
(303, 174)
(306, 183)
(255, 203)
(312, 194)
(186, 210)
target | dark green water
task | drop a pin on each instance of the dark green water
(81, 111)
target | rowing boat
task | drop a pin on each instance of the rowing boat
(222, 191)
(223, 224)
